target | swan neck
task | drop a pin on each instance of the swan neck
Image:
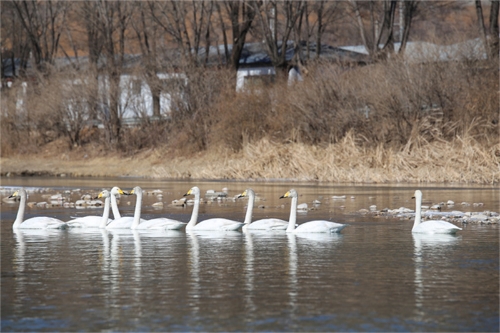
(137, 212)
(20, 211)
(248, 215)
(194, 215)
(418, 211)
(293, 215)
(105, 213)
(114, 207)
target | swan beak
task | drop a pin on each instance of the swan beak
(14, 195)
(244, 194)
(129, 193)
(413, 197)
(286, 195)
(188, 193)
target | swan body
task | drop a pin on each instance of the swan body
(215, 224)
(432, 226)
(263, 224)
(94, 221)
(126, 222)
(153, 224)
(311, 226)
(38, 222)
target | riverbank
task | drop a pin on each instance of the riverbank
(461, 161)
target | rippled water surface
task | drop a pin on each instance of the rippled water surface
(375, 276)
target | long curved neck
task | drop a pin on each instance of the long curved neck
(293, 215)
(418, 211)
(20, 211)
(194, 215)
(114, 207)
(105, 213)
(248, 215)
(137, 212)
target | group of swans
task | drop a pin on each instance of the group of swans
(135, 222)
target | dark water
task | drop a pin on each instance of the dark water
(375, 276)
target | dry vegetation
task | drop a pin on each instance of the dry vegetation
(394, 121)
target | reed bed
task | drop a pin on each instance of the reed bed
(464, 161)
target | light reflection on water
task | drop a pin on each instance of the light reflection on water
(375, 276)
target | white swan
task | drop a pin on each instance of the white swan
(126, 222)
(160, 223)
(263, 224)
(214, 224)
(94, 221)
(312, 226)
(433, 226)
(39, 222)
(115, 191)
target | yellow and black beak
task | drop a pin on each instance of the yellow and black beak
(15, 194)
(188, 193)
(244, 194)
(286, 195)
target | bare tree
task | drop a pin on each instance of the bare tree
(14, 36)
(381, 42)
(147, 31)
(112, 20)
(276, 33)
(43, 22)
(491, 40)
(494, 30)
(187, 23)
(409, 9)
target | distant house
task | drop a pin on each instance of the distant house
(256, 66)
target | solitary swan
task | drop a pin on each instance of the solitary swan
(39, 222)
(115, 191)
(263, 224)
(312, 226)
(160, 223)
(433, 226)
(215, 224)
(94, 221)
(126, 222)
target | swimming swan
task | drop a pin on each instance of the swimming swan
(214, 224)
(161, 223)
(312, 226)
(433, 226)
(94, 221)
(115, 191)
(38, 222)
(263, 224)
(126, 222)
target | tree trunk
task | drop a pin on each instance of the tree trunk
(409, 10)
(494, 31)
(480, 25)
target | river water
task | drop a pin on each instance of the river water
(375, 276)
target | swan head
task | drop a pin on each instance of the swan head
(246, 193)
(136, 190)
(103, 194)
(290, 194)
(418, 194)
(15, 194)
(116, 190)
(193, 191)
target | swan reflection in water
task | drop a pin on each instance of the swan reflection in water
(32, 245)
(430, 251)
